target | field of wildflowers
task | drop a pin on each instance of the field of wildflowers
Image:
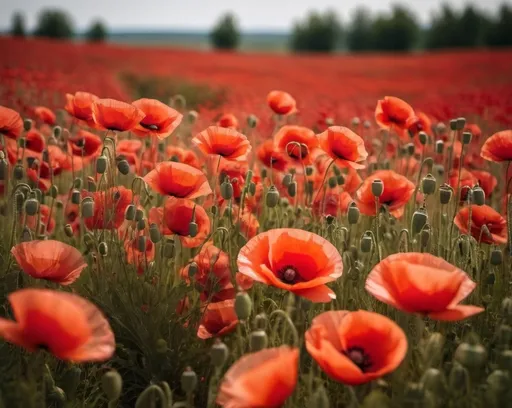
(184, 229)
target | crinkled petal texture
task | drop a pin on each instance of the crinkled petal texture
(334, 334)
(498, 147)
(224, 142)
(79, 106)
(178, 180)
(272, 157)
(397, 192)
(422, 283)
(482, 215)
(70, 327)
(282, 103)
(297, 142)
(160, 120)
(393, 113)
(218, 319)
(262, 379)
(49, 259)
(291, 259)
(178, 214)
(344, 146)
(111, 114)
(11, 124)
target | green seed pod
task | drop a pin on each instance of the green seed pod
(192, 269)
(101, 164)
(263, 173)
(284, 202)
(161, 346)
(91, 186)
(252, 121)
(466, 138)
(219, 354)
(366, 243)
(261, 321)
(425, 237)
(193, 229)
(58, 397)
(340, 180)
(147, 398)
(504, 336)
(226, 190)
(141, 224)
(188, 380)
(428, 184)
(377, 399)
(356, 121)
(478, 195)
(471, 355)
(377, 187)
(498, 386)
(214, 210)
(287, 179)
(258, 340)
(453, 124)
(192, 117)
(439, 146)
(461, 123)
(130, 212)
(434, 348)
(332, 182)
(123, 167)
(292, 189)
(419, 220)
(87, 207)
(423, 137)
(154, 233)
(103, 248)
(248, 177)
(272, 197)
(31, 206)
(75, 197)
(243, 305)
(433, 380)
(27, 125)
(26, 235)
(169, 250)
(309, 170)
(445, 194)
(18, 172)
(496, 257)
(410, 148)
(141, 243)
(319, 399)
(252, 188)
(68, 230)
(353, 213)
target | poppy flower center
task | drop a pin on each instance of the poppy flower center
(289, 275)
(296, 153)
(42, 346)
(150, 126)
(359, 358)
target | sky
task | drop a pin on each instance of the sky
(253, 15)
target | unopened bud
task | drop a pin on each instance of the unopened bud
(353, 213)
(445, 194)
(460, 123)
(453, 124)
(226, 190)
(292, 189)
(219, 354)
(423, 137)
(496, 257)
(141, 224)
(366, 243)
(419, 220)
(428, 184)
(18, 172)
(129, 213)
(478, 195)
(193, 229)
(103, 248)
(141, 243)
(112, 384)
(272, 197)
(188, 380)
(439, 147)
(261, 321)
(27, 125)
(471, 355)
(243, 305)
(154, 233)
(377, 187)
(287, 179)
(123, 167)
(31, 206)
(75, 197)
(68, 230)
(87, 207)
(466, 138)
(101, 164)
(258, 340)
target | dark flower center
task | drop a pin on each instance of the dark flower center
(297, 153)
(359, 358)
(42, 346)
(289, 275)
(151, 126)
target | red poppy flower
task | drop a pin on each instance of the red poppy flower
(333, 203)
(218, 319)
(11, 124)
(51, 260)
(178, 180)
(355, 348)
(288, 139)
(343, 146)
(45, 115)
(79, 106)
(134, 256)
(228, 120)
(420, 122)
(70, 327)
(259, 380)
(467, 181)
(498, 147)
(397, 192)
(272, 157)
(109, 208)
(181, 155)
(294, 260)
(85, 144)
(282, 103)
(110, 114)
(179, 213)
(485, 180)
(474, 129)
(160, 120)
(393, 113)
(224, 142)
(35, 141)
(352, 181)
(482, 215)
(422, 283)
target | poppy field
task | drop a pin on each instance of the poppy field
(187, 229)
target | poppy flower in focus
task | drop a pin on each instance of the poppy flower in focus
(160, 120)
(135, 256)
(297, 142)
(228, 120)
(422, 283)
(79, 106)
(218, 319)
(397, 192)
(68, 326)
(343, 146)
(224, 142)
(109, 208)
(181, 155)
(51, 260)
(467, 181)
(485, 180)
(355, 348)
(294, 260)
(282, 103)
(179, 213)
(45, 115)
(393, 113)
(482, 215)
(178, 180)
(498, 147)
(110, 114)
(11, 124)
(272, 157)
(259, 380)
(85, 144)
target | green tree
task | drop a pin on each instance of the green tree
(359, 35)
(54, 23)
(226, 34)
(18, 25)
(499, 31)
(97, 32)
(396, 32)
(318, 33)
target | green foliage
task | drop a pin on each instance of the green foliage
(499, 33)
(97, 32)
(396, 32)
(54, 23)
(359, 34)
(18, 25)
(317, 33)
(226, 34)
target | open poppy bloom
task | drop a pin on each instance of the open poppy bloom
(11, 124)
(272, 157)
(224, 142)
(181, 155)
(68, 326)
(393, 113)
(294, 260)
(109, 208)
(218, 319)
(228, 120)
(343, 146)
(482, 215)
(79, 106)
(282, 103)
(51, 260)
(420, 122)
(85, 144)
(422, 283)
(298, 143)
(262, 379)
(498, 147)
(397, 192)
(110, 114)
(160, 120)
(331, 203)
(45, 115)
(355, 348)
(179, 213)
(474, 129)
(35, 141)
(178, 180)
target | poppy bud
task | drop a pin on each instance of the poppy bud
(141, 224)
(248, 177)
(228, 212)
(91, 185)
(243, 305)
(425, 237)
(471, 355)
(22, 142)
(252, 121)
(192, 269)
(466, 138)
(423, 137)
(26, 235)
(292, 189)
(226, 190)
(287, 179)
(445, 194)
(309, 170)
(18, 172)
(464, 246)
(27, 125)
(441, 127)
(433, 380)
(458, 379)
(263, 173)
(214, 209)
(340, 180)
(141, 243)
(252, 188)
(439, 146)
(154, 233)
(148, 397)
(376, 399)
(332, 182)
(139, 214)
(414, 395)
(419, 220)
(461, 123)
(193, 229)
(434, 347)
(496, 257)
(272, 197)
(129, 213)
(219, 353)
(101, 164)
(75, 197)
(68, 230)
(192, 116)
(428, 184)
(123, 167)
(498, 385)
(169, 250)
(353, 213)
(453, 124)
(103, 248)
(258, 340)
(377, 187)
(260, 321)
(366, 243)
(478, 195)
(31, 206)
(410, 148)
(87, 207)
(188, 380)
(319, 399)
(88, 240)
(161, 346)
(53, 191)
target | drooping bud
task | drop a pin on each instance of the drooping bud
(219, 354)
(101, 164)
(188, 380)
(243, 305)
(428, 184)
(272, 197)
(258, 340)
(471, 355)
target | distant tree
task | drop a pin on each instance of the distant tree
(226, 34)
(359, 34)
(318, 32)
(18, 25)
(471, 27)
(396, 32)
(97, 32)
(499, 31)
(54, 24)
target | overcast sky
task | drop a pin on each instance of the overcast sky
(202, 14)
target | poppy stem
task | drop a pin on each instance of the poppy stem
(323, 181)
(377, 228)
